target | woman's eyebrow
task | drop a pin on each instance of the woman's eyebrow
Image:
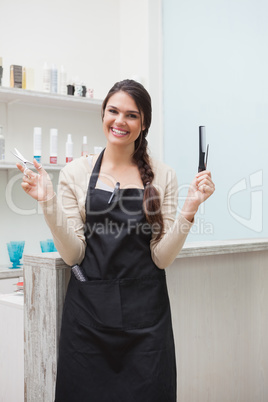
(128, 111)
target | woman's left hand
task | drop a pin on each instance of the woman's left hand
(201, 188)
(204, 186)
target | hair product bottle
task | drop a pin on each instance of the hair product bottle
(46, 78)
(24, 78)
(54, 79)
(30, 78)
(53, 156)
(69, 149)
(62, 84)
(37, 143)
(15, 76)
(2, 145)
(78, 88)
(97, 150)
(84, 146)
(70, 89)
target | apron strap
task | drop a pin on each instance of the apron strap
(96, 170)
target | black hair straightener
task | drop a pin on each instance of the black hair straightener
(203, 151)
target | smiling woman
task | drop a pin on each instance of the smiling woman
(127, 115)
(115, 216)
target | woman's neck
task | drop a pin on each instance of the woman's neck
(118, 156)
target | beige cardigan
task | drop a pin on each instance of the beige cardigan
(65, 213)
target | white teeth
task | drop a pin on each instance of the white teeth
(118, 131)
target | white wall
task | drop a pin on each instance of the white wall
(215, 74)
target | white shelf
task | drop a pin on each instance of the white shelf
(11, 165)
(24, 96)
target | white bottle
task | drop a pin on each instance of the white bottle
(2, 145)
(62, 83)
(46, 78)
(84, 146)
(97, 150)
(37, 143)
(54, 79)
(53, 146)
(69, 149)
(78, 90)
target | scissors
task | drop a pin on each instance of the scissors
(22, 159)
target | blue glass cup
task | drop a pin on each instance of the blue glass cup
(15, 251)
(47, 246)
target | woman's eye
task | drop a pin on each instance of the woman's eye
(133, 116)
(112, 111)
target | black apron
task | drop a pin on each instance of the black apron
(116, 341)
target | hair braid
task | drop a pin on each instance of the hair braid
(151, 199)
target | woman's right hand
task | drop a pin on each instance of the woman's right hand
(37, 185)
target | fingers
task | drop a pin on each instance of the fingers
(20, 167)
(204, 172)
(26, 187)
(36, 183)
(206, 189)
(30, 177)
(24, 169)
(204, 182)
(203, 178)
(38, 166)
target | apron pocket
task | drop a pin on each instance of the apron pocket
(143, 301)
(99, 304)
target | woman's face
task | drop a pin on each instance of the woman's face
(122, 121)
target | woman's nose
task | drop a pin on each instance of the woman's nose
(120, 119)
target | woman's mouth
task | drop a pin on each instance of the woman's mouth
(118, 132)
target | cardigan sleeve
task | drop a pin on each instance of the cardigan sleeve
(176, 229)
(64, 218)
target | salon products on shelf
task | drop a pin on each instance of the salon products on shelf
(84, 146)
(21, 77)
(62, 84)
(37, 143)
(48, 149)
(50, 78)
(46, 78)
(77, 89)
(15, 76)
(53, 155)
(69, 148)
(70, 89)
(97, 150)
(54, 80)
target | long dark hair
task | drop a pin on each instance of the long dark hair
(151, 199)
